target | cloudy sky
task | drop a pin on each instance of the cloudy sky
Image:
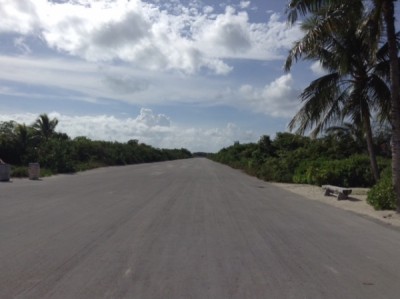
(198, 74)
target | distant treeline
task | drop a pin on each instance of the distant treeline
(56, 152)
(337, 159)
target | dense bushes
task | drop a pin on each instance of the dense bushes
(382, 196)
(299, 159)
(352, 171)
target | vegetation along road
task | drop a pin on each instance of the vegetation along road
(185, 229)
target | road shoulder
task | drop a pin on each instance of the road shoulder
(357, 202)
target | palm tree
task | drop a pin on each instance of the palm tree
(382, 10)
(347, 131)
(22, 135)
(350, 90)
(15, 139)
(44, 127)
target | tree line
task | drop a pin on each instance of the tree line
(356, 43)
(338, 158)
(56, 152)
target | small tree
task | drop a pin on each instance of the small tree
(44, 126)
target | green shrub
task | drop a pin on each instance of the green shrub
(354, 171)
(45, 172)
(382, 196)
(266, 172)
(19, 172)
(89, 165)
(276, 169)
(22, 172)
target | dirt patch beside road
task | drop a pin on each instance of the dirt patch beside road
(357, 202)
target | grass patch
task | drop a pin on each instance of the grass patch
(89, 165)
(19, 171)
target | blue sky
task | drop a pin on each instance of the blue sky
(179, 73)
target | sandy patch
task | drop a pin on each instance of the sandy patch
(357, 202)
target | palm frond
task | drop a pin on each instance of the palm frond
(321, 104)
(379, 94)
(297, 8)
(316, 32)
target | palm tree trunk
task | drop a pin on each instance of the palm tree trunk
(388, 11)
(370, 142)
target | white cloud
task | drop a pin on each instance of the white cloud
(169, 36)
(278, 98)
(208, 9)
(77, 80)
(154, 129)
(18, 16)
(22, 46)
(102, 84)
(228, 33)
(232, 35)
(150, 119)
(317, 69)
(244, 4)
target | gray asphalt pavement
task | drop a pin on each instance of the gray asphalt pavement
(185, 229)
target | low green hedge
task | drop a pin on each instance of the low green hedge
(382, 195)
(354, 171)
(19, 171)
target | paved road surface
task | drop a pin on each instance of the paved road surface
(185, 229)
